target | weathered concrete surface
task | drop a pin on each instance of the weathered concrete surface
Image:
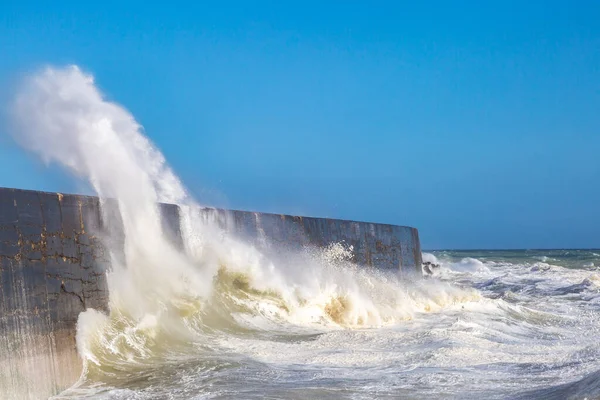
(51, 269)
(53, 266)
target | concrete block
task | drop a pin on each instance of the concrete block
(10, 286)
(87, 256)
(9, 233)
(60, 267)
(31, 250)
(102, 284)
(53, 285)
(69, 306)
(86, 274)
(73, 286)
(54, 246)
(8, 207)
(70, 248)
(28, 207)
(9, 249)
(100, 267)
(34, 283)
(83, 239)
(63, 311)
(100, 254)
(90, 212)
(31, 232)
(51, 213)
(4, 281)
(70, 215)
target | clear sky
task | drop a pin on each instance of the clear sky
(477, 122)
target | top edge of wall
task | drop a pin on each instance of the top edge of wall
(218, 209)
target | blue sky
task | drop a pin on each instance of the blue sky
(477, 123)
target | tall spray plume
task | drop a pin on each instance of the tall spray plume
(62, 117)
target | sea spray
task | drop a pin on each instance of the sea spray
(165, 300)
(63, 117)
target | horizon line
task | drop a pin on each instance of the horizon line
(518, 249)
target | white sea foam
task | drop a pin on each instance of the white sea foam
(465, 265)
(469, 264)
(428, 257)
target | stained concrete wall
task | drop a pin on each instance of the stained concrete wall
(53, 266)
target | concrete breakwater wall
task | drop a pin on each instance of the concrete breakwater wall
(53, 266)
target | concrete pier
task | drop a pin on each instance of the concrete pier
(53, 266)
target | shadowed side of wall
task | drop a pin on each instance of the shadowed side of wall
(53, 266)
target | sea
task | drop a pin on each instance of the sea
(223, 319)
(511, 324)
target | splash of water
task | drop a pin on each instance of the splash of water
(162, 297)
(63, 117)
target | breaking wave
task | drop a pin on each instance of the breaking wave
(167, 303)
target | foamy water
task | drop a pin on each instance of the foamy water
(224, 319)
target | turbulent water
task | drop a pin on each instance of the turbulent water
(224, 319)
(528, 328)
